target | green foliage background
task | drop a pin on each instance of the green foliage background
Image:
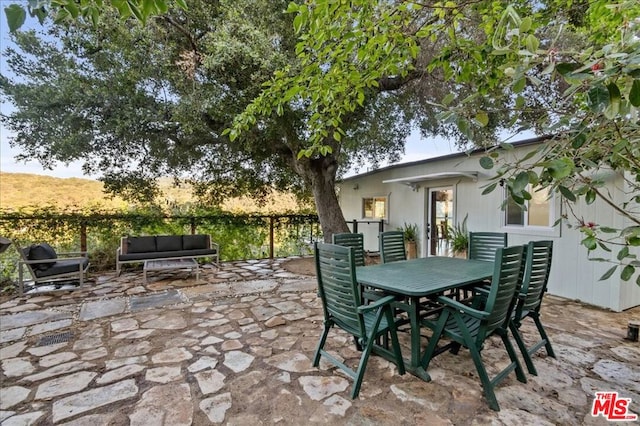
(240, 236)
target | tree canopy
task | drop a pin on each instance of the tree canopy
(569, 69)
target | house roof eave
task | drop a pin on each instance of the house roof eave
(522, 143)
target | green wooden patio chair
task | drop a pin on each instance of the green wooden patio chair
(356, 241)
(534, 280)
(392, 246)
(483, 245)
(342, 307)
(470, 327)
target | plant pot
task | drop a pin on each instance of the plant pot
(462, 254)
(411, 249)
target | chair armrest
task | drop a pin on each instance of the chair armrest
(378, 303)
(482, 290)
(462, 307)
(70, 254)
(31, 262)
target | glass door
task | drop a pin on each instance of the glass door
(440, 219)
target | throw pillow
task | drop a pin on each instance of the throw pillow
(42, 252)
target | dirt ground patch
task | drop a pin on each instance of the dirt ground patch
(302, 266)
(306, 265)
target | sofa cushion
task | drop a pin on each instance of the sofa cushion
(42, 252)
(169, 243)
(64, 266)
(141, 244)
(192, 242)
(167, 254)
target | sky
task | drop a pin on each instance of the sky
(417, 148)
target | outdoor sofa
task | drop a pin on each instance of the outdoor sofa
(161, 247)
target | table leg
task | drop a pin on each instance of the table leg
(414, 320)
(412, 365)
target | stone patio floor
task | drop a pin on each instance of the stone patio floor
(236, 348)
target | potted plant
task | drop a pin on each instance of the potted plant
(411, 239)
(459, 238)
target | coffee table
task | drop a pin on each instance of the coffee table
(165, 264)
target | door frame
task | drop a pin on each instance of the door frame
(431, 228)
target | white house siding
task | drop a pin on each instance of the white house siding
(573, 276)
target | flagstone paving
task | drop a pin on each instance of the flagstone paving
(235, 347)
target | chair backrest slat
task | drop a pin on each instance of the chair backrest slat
(536, 273)
(483, 245)
(392, 246)
(500, 302)
(339, 290)
(356, 241)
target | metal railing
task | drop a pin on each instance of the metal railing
(77, 229)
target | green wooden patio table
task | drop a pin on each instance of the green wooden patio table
(419, 278)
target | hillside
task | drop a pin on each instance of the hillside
(21, 190)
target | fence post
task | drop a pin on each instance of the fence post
(271, 237)
(355, 226)
(83, 236)
(381, 225)
(193, 225)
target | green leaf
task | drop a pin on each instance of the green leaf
(297, 23)
(521, 182)
(560, 167)
(627, 272)
(598, 98)
(525, 25)
(519, 85)
(578, 141)
(448, 99)
(489, 188)
(482, 118)
(566, 193)
(486, 163)
(463, 126)
(565, 68)
(614, 100)
(16, 16)
(590, 243)
(607, 230)
(162, 6)
(590, 196)
(634, 94)
(608, 274)
(532, 43)
(624, 252)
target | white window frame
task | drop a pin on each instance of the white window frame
(374, 197)
(554, 214)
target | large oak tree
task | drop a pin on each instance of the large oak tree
(134, 102)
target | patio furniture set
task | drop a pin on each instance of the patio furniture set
(50, 270)
(465, 301)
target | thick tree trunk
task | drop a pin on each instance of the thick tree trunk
(322, 174)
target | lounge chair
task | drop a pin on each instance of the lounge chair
(46, 266)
